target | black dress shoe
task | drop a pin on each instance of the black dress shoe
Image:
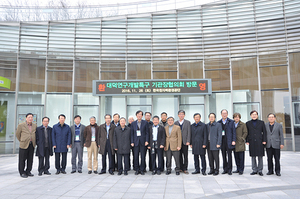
(102, 172)
(195, 172)
(177, 173)
(278, 174)
(79, 171)
(23, 175)
(136, 173)
(40, 174)
(185, 172)
(89, 172)
(95, 172)
(211, 172)
(253, 173)
(153, 172)
(270, 173)
(168, 172)
(235, 171)
(64, 172)
(73, 172)
(29, 174)
(112, 173)
(142, 173)
(240, 173)
(216, 173)
(260, 173)
(224, 172)
(230, 173)
(125, 173)
(119, 173)
(158, 172)
(203, 173)
(57, 172)
(47, 173)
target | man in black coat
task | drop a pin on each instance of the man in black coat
(156, 145)
(148, 116)
(122, 145)
(139, 140)
(44, 146)
(256, 139)
(199, 143)
(228, 141)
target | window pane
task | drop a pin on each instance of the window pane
(112, 75)
(164, 75)
(191, 70)
(245, 96)
(295, 73)
(59, 81)
(220, 79)
(32, 76)
(9, 74)
(166, 103)
(86, 112)
(85, 72)
(139, 100)
(273, 77)
(138, 70)
(244, 73)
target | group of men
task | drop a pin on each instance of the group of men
(160, 138)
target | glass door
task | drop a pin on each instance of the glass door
(245, 108)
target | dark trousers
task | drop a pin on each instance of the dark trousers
(159, 154)
(183, 157)
(44, 163)
(213, 157)
(150, 160)
(203, 163)
(227, 164)
(139, 151)
(61, 166)
(276, 153)
(120, 162)
(26, 155)
(169, 155)
(240, 160)
(111, 158)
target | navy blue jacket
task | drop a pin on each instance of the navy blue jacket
(61, 137)
(229, 132)
(144, 133)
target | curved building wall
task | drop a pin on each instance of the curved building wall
(250, 50)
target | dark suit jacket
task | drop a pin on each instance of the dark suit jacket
(144, 133)
(103, 137)
(256, 136)
(40, 141)
(81, 136)
(122, 140)
(61, 137)
(274, 138)
(161, 136)
(87, 134)
(199, 138)
(185, 131)
(229, 132)
(215, 133)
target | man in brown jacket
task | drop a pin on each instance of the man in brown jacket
(106, 138)
(26, 136)
(90, 135)
(173, 145)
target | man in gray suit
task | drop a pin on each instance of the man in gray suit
(77, 141)
(275, 142)
(185, 127)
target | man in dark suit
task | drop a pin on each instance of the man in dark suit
(198, 143)
(139, 140)
(44, 146)
(106, 137)
(185, 127)
(275, 142)
(156, 145)
(256, 139)
(77, 131)
(148, 116)
(228, 141)
(61, 139)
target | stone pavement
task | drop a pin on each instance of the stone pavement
(183, 186)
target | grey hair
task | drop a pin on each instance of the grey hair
(93, 117)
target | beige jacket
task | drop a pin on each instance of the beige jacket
(175, 139)
(23, 135)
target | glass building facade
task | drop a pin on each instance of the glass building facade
(250, 49)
